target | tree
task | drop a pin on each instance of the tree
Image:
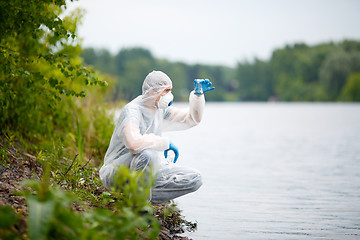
(336, 69)
(100, 59)
(351, 90)
(177, 72)
(334, 72)
(254, 81)
(296, 72)
(39, 64)
(132, 66)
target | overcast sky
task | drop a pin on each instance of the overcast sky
(215, 31)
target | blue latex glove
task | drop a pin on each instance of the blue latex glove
(202, 86)
(175, 149)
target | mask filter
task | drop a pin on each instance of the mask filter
(166, 100)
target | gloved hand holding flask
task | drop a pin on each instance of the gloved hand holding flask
(173, 148)
(202, 86)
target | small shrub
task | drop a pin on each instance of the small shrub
(51, 215)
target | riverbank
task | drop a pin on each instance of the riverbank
(17, 165)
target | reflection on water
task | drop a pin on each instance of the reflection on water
(274, 171)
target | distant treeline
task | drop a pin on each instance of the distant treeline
(324, 72)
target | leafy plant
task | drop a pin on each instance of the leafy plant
(51, 215)
(7, 223)
(39, 66)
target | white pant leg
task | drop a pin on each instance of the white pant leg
(173, 182)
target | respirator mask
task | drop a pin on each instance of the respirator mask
(166, 101)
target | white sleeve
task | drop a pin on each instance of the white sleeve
(136, 142)
(180, 119)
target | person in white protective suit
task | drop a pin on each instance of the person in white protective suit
(137, 142)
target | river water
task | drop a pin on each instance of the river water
(274, 171)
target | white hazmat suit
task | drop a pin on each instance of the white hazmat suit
(137, 142)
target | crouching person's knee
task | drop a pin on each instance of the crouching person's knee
(196, 182)
(145, 161)
(175, 182)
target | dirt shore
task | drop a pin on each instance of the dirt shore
(16, 166)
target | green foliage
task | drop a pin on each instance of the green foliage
(8, 220)
(294, 73)
(255, 81)
(51, 215)
(39, 67)
(351, 91)
(130, 67)
(43, 83)
(334, 72)
(177, 71)
(132, 210)
(7, 216)
(300, 73)
(336, 69)
(79, 178)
